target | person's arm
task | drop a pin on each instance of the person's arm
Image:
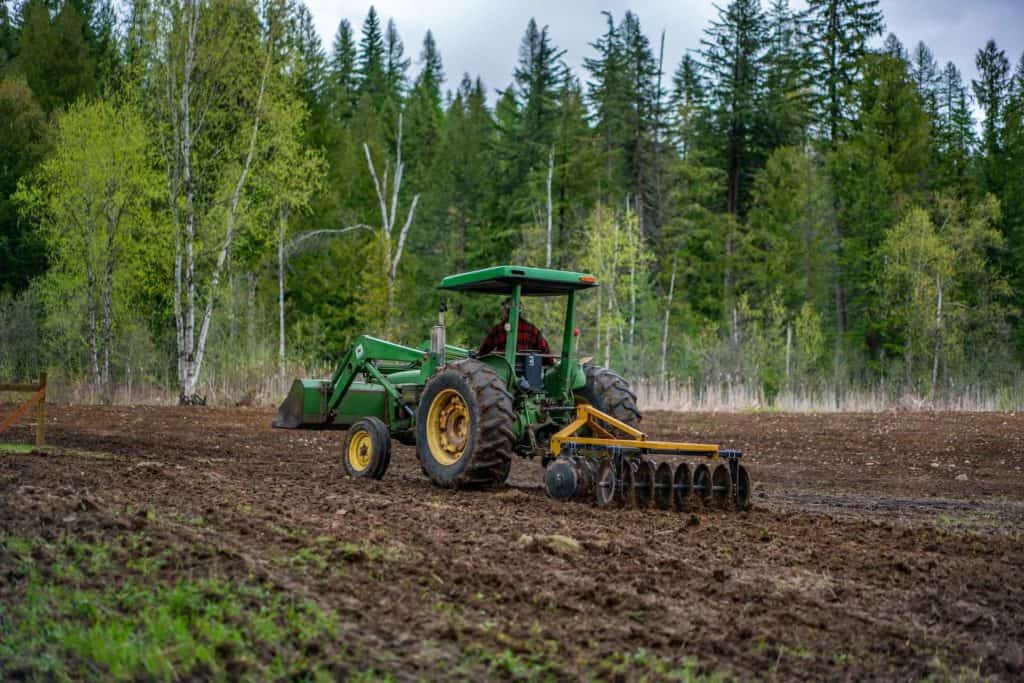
(488, 344)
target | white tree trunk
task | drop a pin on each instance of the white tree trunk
(281, 231)
(634, 252)
(90, 298)
(547, 242)
(663, 375)
(789, 347)
(938, 337)
(388, 216)
(192, 348)
(108, 308)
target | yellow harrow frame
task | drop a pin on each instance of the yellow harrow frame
(594, 421)
(627, 478)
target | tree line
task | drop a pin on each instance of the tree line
(195, 189)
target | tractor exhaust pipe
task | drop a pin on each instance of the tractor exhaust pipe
(437, 334)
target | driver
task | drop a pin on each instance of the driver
(529, 338)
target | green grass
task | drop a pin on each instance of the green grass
(18, 448)
(76, 619)
(642, 665)
(134, 606)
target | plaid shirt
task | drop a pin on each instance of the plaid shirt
(529, 339)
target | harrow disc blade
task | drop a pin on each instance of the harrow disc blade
(702, 482)
(681, 486)
(721, 486)
(561, 479)
(644, 483)
(628, 484)
(606, 491)
(742, 488)
(663, 486)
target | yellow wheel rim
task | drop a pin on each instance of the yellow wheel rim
(360, 451)
(448, 427)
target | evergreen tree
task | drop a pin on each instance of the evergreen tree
(688, 106)
(342, 74)
(396, 65)
(310, 60)
(527, 118)
(577, 172)
(103, 41)
(53, 55)
(733, 58)
(422, 149)
(642, 120)
(373, 81)
(881, 167)
(787, 245)
(956, 133)
(925, 72)
(894, 48)
(990, 92)
(24, 138)
(623, 91)
(786, 106)
(424, 114)
(8, 35)
(837, 35)
(1012, 197)
(537, 76)
(606, 94)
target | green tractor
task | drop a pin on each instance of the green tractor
(468, 415)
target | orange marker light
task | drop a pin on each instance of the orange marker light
(588, 278)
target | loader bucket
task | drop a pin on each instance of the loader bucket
(306, 404)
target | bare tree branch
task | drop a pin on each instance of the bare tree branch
(401, 237)
(312, 238)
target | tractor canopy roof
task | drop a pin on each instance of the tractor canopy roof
(534, 281)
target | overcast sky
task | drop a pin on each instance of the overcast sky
(482, 37)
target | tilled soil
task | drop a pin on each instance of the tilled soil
(881, 546)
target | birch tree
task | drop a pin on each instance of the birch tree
(614, 248)
(211, 87)
(92, 199)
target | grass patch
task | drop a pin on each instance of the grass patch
(94, 610)
(647, 666)
(19, 448)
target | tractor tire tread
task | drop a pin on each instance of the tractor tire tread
(614, 393)
(491, 459)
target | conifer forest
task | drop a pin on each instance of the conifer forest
(200, 196)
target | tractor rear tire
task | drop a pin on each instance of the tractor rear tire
(464, 422)
(609, 393)
(366, 450)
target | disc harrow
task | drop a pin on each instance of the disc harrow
(593, 462)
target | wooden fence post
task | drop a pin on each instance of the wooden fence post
(41, 423)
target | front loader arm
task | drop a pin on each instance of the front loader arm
(360, 358)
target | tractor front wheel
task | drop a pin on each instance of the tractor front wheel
(464, 424)
(366, 451)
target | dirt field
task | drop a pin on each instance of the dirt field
(880, 547)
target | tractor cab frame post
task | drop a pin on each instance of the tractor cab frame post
(512, 329)
(568, 336)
